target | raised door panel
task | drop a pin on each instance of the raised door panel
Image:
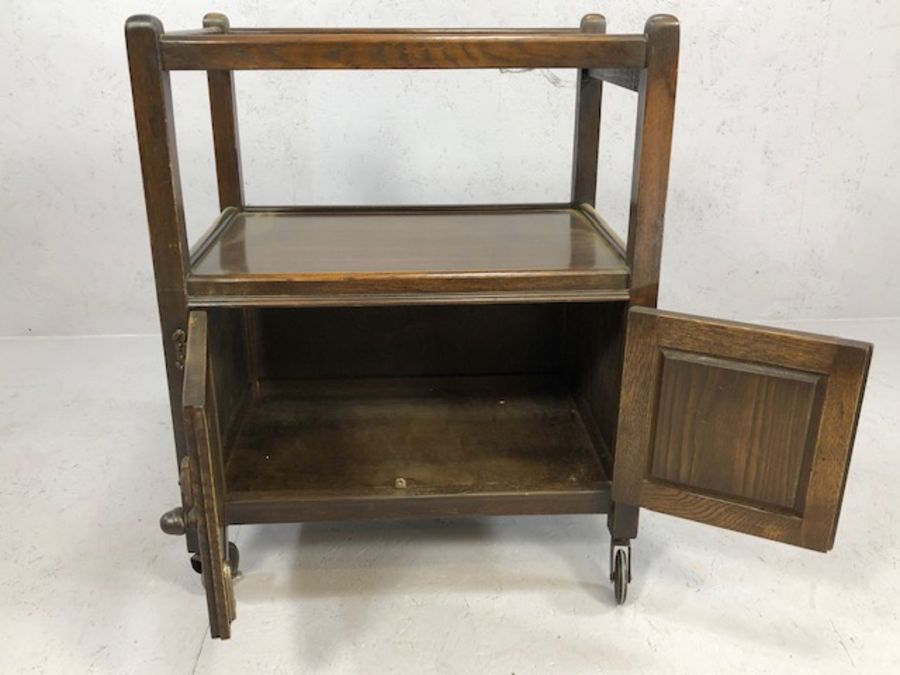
(739, 426)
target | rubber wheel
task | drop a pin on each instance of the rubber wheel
(620, 578)
(234, 557)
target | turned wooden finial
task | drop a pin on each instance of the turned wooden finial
(593, 23)
(216, 20)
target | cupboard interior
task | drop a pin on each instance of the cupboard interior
(473, 401)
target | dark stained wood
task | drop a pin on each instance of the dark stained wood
(239, 50)
(429, 361)
(309, 256)
(204, 441)
(508, 443)
(223, 112)
(463, 293)
(230, 371)
(162, 193)
(318, 245)
(587, 125)
(162, 189)
(226, 144)
(741, 429)
(509, 32)
(739, 426)
(410, 341)
(202, 245)
(597, 338)
(597, 341)
(611, 236)
(653, 144)
(622, 521)
(268, 507)
(309, 441)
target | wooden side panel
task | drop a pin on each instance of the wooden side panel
(596, 338)
(229, 370)
(738, 426)
(409, 341)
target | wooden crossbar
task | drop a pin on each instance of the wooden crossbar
(400, 49)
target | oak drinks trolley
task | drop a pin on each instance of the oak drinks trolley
(333, 363)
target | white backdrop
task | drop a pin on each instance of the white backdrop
(784, 198)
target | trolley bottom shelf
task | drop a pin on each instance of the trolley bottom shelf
(411, 447)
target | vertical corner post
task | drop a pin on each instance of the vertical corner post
(653, 146)
(152, 95)
(587, 124)
(223, 111)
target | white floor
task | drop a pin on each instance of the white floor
(89, 584)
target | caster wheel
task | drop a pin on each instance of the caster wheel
(620, 568)
(234, 557)
(620, 577)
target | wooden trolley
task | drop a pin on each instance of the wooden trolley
(433, 361)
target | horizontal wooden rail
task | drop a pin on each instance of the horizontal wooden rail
(414, 49)
(403, 31)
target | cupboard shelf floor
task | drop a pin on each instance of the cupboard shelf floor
(306, 451)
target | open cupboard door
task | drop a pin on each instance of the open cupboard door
(738, 426)
(202, 479)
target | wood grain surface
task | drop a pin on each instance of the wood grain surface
(419, 49)
(739, 426)
(333, 254)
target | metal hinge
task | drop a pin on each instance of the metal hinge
(179, 338)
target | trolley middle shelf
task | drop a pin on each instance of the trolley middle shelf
(295, 256)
